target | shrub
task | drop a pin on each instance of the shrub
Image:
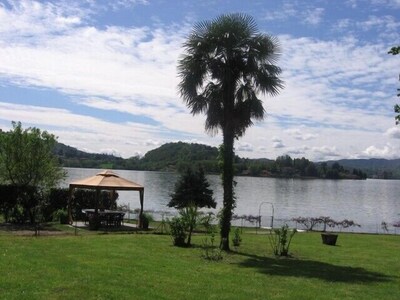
(236, 240)
(61, 215)
(210, 250)
(206, 221)
(178, 231)
(145, 220)
(280, 240)
(189, 216)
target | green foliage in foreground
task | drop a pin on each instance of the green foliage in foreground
(147, 266)
(26, 158)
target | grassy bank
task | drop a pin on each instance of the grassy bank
(147, 266)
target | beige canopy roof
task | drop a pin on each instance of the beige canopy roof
(107, 180)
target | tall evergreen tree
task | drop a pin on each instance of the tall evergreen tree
(192, 191)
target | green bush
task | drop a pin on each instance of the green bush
(210, 250)
(145, 220)
(61, 215)
(237, 239)
(280, 240)
(178, 231)
(19, 203)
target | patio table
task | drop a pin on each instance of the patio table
(107, 217)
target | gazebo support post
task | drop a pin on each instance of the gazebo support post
(71, 192)
(96, 218)
(140, 223)
(112, 198)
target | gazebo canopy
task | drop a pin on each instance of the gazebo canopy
(107, 180)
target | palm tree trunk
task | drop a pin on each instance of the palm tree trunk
(227, 177)
(227, 173)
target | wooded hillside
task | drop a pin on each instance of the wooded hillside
(177, 156)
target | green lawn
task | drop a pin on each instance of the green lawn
(147, 266)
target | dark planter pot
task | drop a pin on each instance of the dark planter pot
(329, 238)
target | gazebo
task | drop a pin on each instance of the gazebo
(106, 180)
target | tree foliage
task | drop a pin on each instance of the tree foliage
(179, 156)
(227, 61)
(192, 189)
(191, 192)
(286, 167)
(396, 51)
(26, 158)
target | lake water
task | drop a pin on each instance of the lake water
(367, 202)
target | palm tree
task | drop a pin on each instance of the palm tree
(225, 64)
(395, 51)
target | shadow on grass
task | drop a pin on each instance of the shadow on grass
(312, 269)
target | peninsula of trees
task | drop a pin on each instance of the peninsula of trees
(178, 156)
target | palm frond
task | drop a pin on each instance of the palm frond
(226, 63)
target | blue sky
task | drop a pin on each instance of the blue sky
(101, 75)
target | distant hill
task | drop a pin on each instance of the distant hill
(374, 167)
(177, 156)
(168, 157)
(71, 157)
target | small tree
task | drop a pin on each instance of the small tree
(192, 192)
(28, 163)
(327, 221)
(26, 158)
(307, 222)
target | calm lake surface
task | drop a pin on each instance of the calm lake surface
(367, 202)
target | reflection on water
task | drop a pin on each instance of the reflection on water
(367, 202)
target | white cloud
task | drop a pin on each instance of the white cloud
(352, 3)
(244, 147)
(388, 151)
(388, 3)
(287, 11)
(299, 134)
(124, 4)
(343, 24)
(110, 151)
(393, 132)
(151, 142)
(325, 153)
(83, 132)
(297, 151)
(277, 143)
(314, 16)
(337, 91)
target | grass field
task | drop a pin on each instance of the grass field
(147, 266)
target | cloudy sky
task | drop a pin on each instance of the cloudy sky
(101, 75)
